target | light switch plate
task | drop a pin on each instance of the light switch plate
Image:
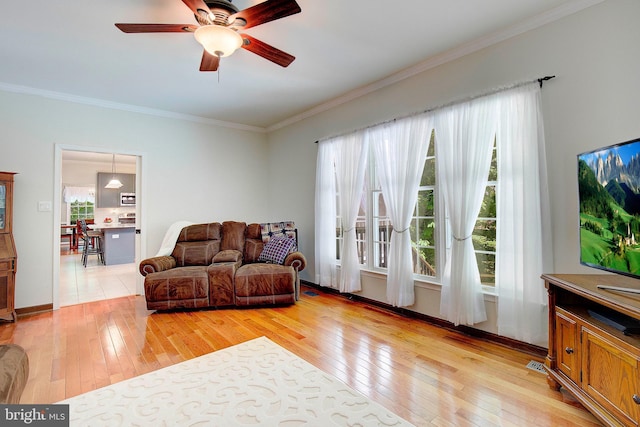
(44, 206)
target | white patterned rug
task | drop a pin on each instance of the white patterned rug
(257, 383)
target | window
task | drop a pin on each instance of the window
(361, 231)
(80, 210)
(484, 233)
(381, 225)
(80, 202)
(423, 227)
(376, 227)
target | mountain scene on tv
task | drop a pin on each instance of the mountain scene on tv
(609, 191)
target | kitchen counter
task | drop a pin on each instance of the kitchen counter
(109, 225)
(119, 242)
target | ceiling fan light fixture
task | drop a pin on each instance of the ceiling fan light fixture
(218, 40)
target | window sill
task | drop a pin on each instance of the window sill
(488, 291)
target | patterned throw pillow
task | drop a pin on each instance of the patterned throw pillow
(276, 249)
(272, 229)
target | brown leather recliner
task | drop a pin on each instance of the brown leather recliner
(216, 265)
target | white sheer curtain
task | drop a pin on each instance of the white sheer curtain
(325, 216)
(80, 194)
(465, 134)
(351, 162)
(400, 149)
(523, 247)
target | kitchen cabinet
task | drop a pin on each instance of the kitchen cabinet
(110, 197)
(119, 244)
(8, 256)
(590, 354)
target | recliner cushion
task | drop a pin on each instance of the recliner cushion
(200, 232)
(264, 280)
(184, 283)
(195, 253)
(233, 236)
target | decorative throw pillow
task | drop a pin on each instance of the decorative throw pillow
(272, 229)
(277, 249)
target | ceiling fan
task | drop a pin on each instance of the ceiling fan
(220, 23)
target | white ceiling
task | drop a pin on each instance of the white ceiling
(71, 49)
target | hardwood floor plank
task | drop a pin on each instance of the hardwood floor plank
(427, 374)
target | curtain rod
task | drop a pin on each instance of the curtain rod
(540, 80)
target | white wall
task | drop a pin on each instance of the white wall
(201, 172)
(591, 103)
(194, 171)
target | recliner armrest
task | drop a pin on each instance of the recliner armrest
(155, 264)
(229, 255)
(297, 260)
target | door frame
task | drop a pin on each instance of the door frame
(141, 201)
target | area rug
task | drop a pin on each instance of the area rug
(256, 383)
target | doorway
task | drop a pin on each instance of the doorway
(74, 283)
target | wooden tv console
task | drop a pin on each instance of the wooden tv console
(589, 354)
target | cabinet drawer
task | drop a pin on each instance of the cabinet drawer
(6, 265)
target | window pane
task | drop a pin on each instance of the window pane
(338, 238)
(488, 209)
(429, 172)
(425, 262)
(493, 171)
(484, 235)
(423, 224)
(381, 207)
(425, 205)
(381, 232)
(80, 210)
(426, 232)
(432, 145)
(487, 268)
(382, 253)
(361, 241)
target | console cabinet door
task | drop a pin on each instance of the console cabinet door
(610, 374)
(567, 345)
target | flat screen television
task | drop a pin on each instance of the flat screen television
(609, 204)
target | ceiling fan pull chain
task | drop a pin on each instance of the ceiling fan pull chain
(218, 53)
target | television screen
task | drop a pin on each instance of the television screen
(609, 200)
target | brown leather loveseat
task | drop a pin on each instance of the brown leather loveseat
(219, 265)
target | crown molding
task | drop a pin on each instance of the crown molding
(540, 20)
(125, 107)
(434, 61)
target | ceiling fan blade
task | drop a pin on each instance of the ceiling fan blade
(267, 11)
(194, 5)
(209, 62)
(157, 28)
(267, 51)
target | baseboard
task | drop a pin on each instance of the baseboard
(534, 350)
(34, 309)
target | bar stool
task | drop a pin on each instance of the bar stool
(92, 243)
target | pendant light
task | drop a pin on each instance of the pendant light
(115, 182)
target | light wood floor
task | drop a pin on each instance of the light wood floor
(428, 375)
